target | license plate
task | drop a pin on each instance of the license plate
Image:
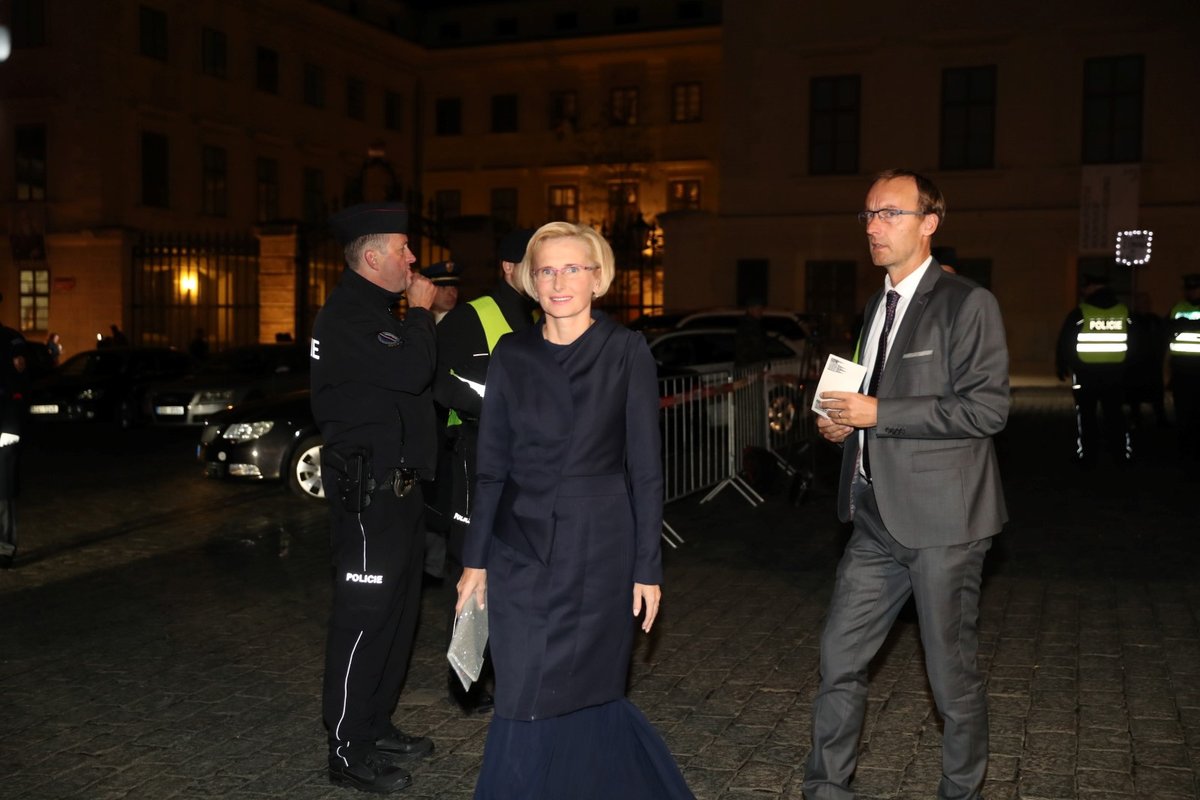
(170, 411)
(44, 409)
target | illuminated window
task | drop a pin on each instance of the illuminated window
(214, 181)
(833, 128)
(504, 113)
(1112, 109)
(266, 191)
(686, 102)
(152, 31)
(314, 86)
(622, 202)
(213, 53)
(266, 70)
(448, 116)
(35, 299)
(155, 170)
(563, 203)
(683, 195)
(968, 117)
(29, 145)
(623, 106)
(356, 98)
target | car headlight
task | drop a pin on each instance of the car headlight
(215, 396)
(247, 431)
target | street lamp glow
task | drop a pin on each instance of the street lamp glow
(1133, 247)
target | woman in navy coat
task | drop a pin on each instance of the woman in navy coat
(563, 545)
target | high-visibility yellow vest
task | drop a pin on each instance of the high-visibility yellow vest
(1185, 330)
(1103, 336)
(494, 326)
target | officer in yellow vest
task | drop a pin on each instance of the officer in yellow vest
(1093, 347)
(466, 337)
(1184, 348)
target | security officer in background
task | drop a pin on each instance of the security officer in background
(466, 338)
(445, 277)
(14, 382)
(1093, 345)
(371, 399)
(1184, 349)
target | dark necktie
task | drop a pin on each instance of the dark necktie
(893, 298)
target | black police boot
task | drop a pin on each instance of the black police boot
(395, 742)
(368, 772)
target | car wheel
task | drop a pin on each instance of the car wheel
(783, 409)
(304, 469)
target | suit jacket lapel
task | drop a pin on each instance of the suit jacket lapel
(912, 318)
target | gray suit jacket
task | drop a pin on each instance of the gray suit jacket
(943, 394)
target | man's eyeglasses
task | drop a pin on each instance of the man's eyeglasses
(886, 214)
(548, 274)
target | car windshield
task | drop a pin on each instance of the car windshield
(92, 364)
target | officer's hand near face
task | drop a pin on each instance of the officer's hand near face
(420, 292)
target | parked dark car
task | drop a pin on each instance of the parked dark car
(106, 384)
(266, 439)
(228, 379)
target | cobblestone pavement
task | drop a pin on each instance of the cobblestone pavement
(162, 636)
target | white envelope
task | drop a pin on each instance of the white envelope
(839, 375)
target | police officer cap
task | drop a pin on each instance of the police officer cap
(1191, 281)
(443, 273)
(512, 246)
(368, 219)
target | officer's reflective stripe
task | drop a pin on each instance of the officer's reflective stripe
(1189, 315)
(1106, 347)
(475, 386)
(1187, 342)
(1103, 337)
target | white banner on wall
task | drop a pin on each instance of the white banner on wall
(1108, 203)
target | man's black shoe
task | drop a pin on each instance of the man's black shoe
(368, 773)
(401, 744)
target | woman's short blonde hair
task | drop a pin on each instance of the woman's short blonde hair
(600, 254)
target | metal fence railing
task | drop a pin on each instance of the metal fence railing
(711, 420)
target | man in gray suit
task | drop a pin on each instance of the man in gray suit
(920, 481)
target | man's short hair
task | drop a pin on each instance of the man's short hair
(929, 196)
(355, 249)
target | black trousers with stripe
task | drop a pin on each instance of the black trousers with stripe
(377, 562)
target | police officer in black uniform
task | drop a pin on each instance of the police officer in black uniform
(371, 398)
(463, 356)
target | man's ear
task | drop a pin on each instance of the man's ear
(929, 224)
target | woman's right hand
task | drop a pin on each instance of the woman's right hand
(473, 581)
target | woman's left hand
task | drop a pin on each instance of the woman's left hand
(651, 595)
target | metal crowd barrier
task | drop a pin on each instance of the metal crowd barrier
(710, 420)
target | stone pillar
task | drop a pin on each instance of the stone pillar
(278, 249)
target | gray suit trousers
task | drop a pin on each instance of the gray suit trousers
(875, 578)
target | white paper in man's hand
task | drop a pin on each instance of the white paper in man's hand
(839, 375)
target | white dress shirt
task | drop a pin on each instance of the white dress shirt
(870, 343)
